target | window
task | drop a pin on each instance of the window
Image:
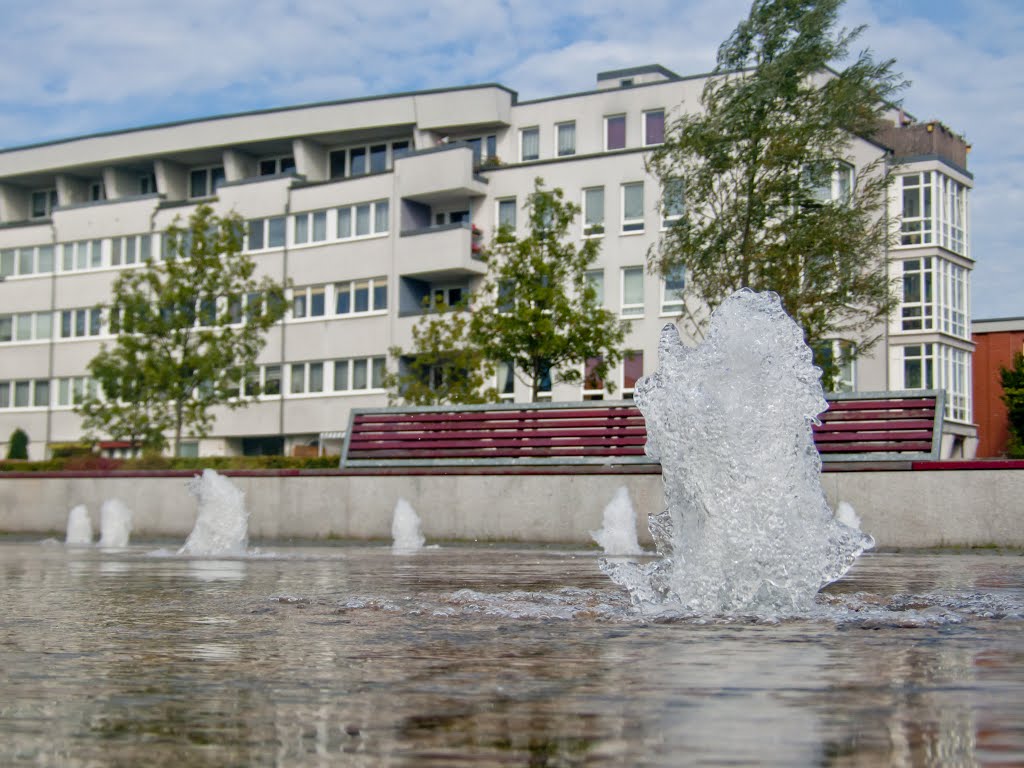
(147, 184)
(308, 301)
(632, 291)
(506, 381)
(273, 166)
(266, 233)
(544, 383)
(30, 393)
(447, 295)
(633, 207)
(361, 296)
(337, 163)
(378, 158)
(595, 279)
(931, 366)
(507, 213)
(654, 127)
(74, 389)
(26, 326)
(593, 384)
(632, 371)
(615, 132)
(310, 227)
(26, 261)
(43, 201)
(672, 202)
(917, 308)
(593, 212)
(373, 158)
(85, 254)
(952, 299)
(306, 377)
(934, 211)
(79, 323)
(566, 139)
(204, 182)
(529, 144)
(952, 214)
(363, 220)
(836, 357)
(271, 379)
(673, 284)
(130, 250)
(360, 373)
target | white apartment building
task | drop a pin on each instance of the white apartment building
(369, 205)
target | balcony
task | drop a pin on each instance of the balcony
(448, 252)
(439, 176)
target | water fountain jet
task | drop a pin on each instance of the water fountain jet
(405, 529)
(115, 524)
(618, 534)
(79, 530)
(747, 528)
(222, 523)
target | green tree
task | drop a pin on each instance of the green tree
(445, 367)
(17, 447)
(190, 327)
(759, 181)
(1012, 380)
(534, 310)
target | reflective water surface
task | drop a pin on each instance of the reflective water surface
(483, 655)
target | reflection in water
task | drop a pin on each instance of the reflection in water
(484, 655)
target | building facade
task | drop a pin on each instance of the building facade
(369, 206)
(997, 341)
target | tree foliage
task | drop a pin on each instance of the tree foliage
(1012, 380)
(534, 310)
(17, 447)
(190, 327)
(446, 368)
(758, 165)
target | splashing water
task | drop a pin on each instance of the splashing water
(115, 524)
(405, 529)
(79, 529)
(222, 524)
(618, 536)
(747, 529)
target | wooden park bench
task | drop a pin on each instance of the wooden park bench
(513, 434)
(881, 427)
(902, 426)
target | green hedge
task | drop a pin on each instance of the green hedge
(74, 461)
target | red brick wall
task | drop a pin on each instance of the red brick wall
(994, 351)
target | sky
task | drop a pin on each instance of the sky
(73, 67)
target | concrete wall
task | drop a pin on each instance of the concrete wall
(900, 509)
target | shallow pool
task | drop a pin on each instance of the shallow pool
(486, 655)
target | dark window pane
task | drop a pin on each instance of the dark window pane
(378, 158)
(338, 164)
(616, 138)
(358, 161)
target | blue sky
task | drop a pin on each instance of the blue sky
(81, 66)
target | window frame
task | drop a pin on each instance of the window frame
(621, 116)
(647, 114)
(632, 309)
(558, 138)
(635, 225)
(595, 228)
(523, 132)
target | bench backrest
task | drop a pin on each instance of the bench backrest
(608, 432)
(859, 426)
(881, 426)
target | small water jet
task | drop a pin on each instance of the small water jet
(747, 528)
(79, 530)
(618, 536)
(222, 523)
(115, 524)
(405, 529)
